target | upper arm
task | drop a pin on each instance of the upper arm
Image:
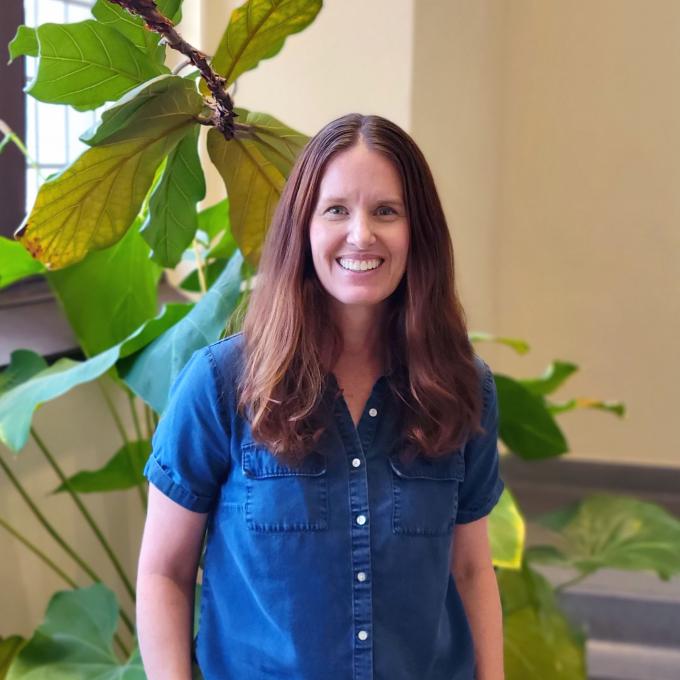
(172, 539)
(471, 549)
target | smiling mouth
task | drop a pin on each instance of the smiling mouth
(360, 266)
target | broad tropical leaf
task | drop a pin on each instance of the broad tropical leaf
(215, 218)
(539, 641)
(84, 64)
(16, 263)
(257, 30)
(616, 532)
(171, 222)
(520, 346)
(25, 42)
(90, 204)
(552, 379)
(254, 166)
(18, 403)
(122, 471)
(212, 271)
(76, 641)
(110, 293)
(132, 27)
(526, 425)
(507, 532)
(151, 372)
(23, 364)
(9, 648)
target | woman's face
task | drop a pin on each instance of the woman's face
(359, 233)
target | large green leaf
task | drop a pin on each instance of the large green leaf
(23, 364)
(24, 42)
(90, 204)
(151, 372)
(215, 218)
(526, 425)
(84, 64)
(257, 30)
(507, 532)
(16, 262)
(539, 641)
(171, 222)
(254, 166)
(122, 471)
(552, 379)
(75, 641)
(212, 272)
(617, 532)
(132, 27)
(9, 648)
(18, 403)
(110, 293)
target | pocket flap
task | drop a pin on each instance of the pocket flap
(450, 467)
(257, 461)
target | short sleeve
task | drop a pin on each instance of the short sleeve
(482, 486)
(190, 447)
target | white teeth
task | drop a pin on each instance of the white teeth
(359, 265)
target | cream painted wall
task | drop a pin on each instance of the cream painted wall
(588, 242)
(553, 129)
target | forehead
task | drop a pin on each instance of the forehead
(360, 171)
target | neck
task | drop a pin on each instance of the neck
(363, 336)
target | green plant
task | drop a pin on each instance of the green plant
(103, 257)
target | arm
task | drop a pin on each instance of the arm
(475, 579)
(166, 579)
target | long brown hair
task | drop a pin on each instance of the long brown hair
(288, 327)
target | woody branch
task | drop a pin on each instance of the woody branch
(221, 103)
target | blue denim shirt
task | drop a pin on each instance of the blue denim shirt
(338, 570)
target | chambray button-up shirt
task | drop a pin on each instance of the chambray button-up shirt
(338, 569)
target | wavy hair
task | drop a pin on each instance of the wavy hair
(288, 327)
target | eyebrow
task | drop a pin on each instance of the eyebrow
(342, 199)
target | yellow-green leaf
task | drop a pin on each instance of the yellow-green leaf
(91, 204)
(254, 166)
(254, 186)
(507, 532)
(257, 30)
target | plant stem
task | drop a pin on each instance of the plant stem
(86, 514)
(39, 553)
(43, 520)
(149, 422)
(135, 418)
(572, 581)
(221, 103)
(13, 137)
(114, 413)
(56, 569)
(200, 266)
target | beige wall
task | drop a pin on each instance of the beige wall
(552, 130)
(588, 249)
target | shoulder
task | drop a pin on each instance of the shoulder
(226, 357)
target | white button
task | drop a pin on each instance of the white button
(362, 634)
(356, 462)
(373, 412)
(361, 576)
(361, 519)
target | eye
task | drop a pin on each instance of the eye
(392, 211)
(334, 207)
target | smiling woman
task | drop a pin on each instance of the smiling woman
(334, 449)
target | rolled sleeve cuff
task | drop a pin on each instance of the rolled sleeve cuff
(162, 480)
(465, 516)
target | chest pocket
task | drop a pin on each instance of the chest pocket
(425, 494)
(283, 498)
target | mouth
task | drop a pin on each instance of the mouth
(359, 266)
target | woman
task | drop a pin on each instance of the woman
(341, 451)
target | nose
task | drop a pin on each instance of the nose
(360, 231)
